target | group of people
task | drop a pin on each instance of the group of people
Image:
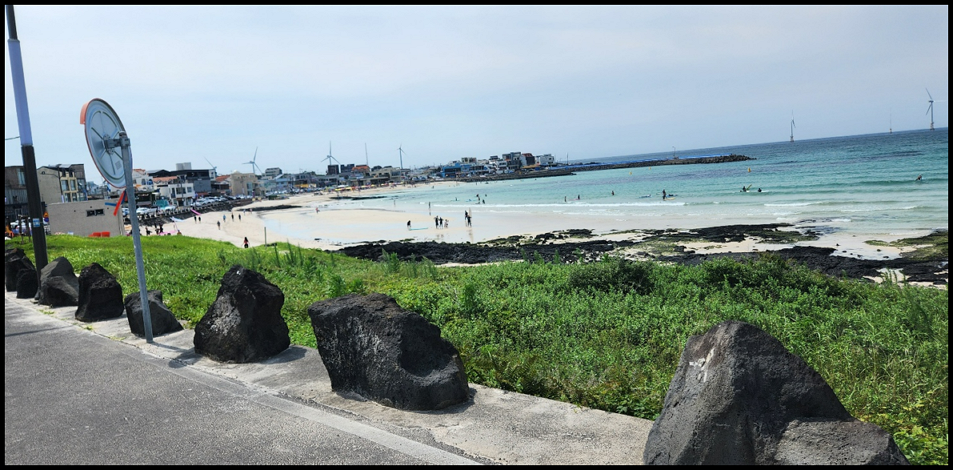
(440, 222)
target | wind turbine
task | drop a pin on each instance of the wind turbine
(329, 157)
(214, 168)
(930, 108)
(253, 164)
(792, 126)
(401, 150)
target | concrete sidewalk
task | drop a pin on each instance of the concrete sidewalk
(495, 427)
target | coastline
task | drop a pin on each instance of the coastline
(359, 225)
(263, 223)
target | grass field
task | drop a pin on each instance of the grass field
(605, 335)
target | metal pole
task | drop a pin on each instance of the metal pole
(26, 145)
(134, 219)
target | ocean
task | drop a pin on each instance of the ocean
(863, 186)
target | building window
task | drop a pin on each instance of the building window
(64, 186)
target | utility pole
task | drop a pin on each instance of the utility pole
(26, 145)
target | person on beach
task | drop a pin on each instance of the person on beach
(436, 222)
(664, 195)
(759, 190)
(408, 225)
(195, 219)
(240, 216)
(219, 225)
(233, 216)
(245, 243)
(919, 177)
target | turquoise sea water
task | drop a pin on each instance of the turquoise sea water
(864, 185)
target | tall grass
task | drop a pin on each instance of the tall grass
(607, 334)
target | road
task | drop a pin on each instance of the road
(93, 393)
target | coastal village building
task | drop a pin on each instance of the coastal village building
(244, 184)
(142, 180)
(220, 185)
(15, 197)
(272, 172)
(62, 183)
(174, 190)
(85, 218)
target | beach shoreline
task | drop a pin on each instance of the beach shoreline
(261, 223)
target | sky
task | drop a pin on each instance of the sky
(412, 86)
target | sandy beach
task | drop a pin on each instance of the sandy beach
(340, 225)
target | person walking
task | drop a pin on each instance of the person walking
(233, 216)
(663, 195)
(219, 224)
(245, 243)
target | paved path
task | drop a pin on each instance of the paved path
(93, 393)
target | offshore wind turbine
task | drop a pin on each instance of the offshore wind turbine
(792, 126)
(930, 108)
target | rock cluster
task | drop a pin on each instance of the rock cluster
(244, 323)
(100, 295)
(739, 397)
(162, 319)
(374, 348)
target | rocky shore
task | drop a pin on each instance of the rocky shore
(927, 264)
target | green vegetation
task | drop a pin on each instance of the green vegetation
(606, 335)
(933, 246)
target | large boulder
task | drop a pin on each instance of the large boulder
(161, 318)
(244, 324)
(100, 295)
(27, 283)
(58, 284)
(12, 264)
(374, 348)
(739, 397)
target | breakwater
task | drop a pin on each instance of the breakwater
(563, 170)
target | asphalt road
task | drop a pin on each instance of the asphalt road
(92, 393)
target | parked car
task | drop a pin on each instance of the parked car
(145, 211)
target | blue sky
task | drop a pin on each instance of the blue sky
(204, 84)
